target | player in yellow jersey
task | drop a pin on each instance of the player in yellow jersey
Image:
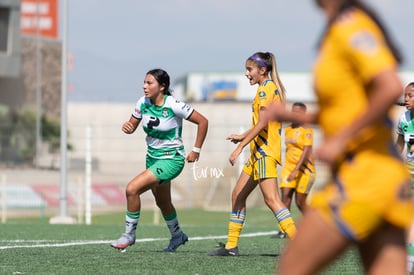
(298, 173)
(265, 153)
(367, 202)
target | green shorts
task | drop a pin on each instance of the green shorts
(165, 169)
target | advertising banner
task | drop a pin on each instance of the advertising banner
(40, 16)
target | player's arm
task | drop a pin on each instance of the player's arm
(385, 90)
(400, 144)
(278, 111)
(307, 150)
(236, 138)
(250, 135)
(131, 125)
(202, 127)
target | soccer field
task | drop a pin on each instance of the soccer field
(35, 247)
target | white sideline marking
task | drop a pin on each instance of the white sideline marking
(46, 243)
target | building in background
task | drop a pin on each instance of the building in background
(30, 75)
(217, 86)
(221, 86)
(30, 55)
(9, 38)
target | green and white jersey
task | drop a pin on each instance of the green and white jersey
(406, 129)
(163, 125)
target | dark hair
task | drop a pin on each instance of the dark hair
(358, 4)
(267, 60)
(411, 84)
(300, 104)
(162, 78)
(263, 60)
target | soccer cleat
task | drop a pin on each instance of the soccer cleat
(124, 241)
(280, 235)
(222, 251)
(176, 241)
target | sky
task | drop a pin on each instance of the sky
(114, 43)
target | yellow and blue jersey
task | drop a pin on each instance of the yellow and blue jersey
(268, 141)
(352, 53)
(362, 195)
(296, 139)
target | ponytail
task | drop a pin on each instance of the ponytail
(268, 61)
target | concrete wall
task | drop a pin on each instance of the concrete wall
(119, 157)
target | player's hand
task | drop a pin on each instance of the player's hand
(128, 127)
(235, 155)
(275, 111)
(235, 138)
(331, 150)
(193, 156)
(292, 175)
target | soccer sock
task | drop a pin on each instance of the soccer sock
(410, 255)
(131, 221)
(172, 223)
(286, 222)
(235, 227)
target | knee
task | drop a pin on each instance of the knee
(271, 200)
(130, 191)
(301, 204)
(285, 199)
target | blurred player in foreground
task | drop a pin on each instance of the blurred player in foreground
(368, 201)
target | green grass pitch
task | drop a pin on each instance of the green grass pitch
(31, 246)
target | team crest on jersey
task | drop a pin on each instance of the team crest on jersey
(364, 41)
(165, 112)
(262, 94)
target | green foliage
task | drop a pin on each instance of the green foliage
(51, 133)
(18, 135)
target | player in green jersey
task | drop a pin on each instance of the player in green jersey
(405, 139)
(161, 116)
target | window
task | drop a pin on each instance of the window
(4, 28)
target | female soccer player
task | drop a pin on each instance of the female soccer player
(265, 153)
(368, 201)
(298, 173)
(161, 116)
(405, 139)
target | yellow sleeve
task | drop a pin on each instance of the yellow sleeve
(365, 47)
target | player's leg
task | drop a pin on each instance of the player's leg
(162, 195)
(287, 196)
(287, 188)
(410, 230)
(166, 170)
(305, 182)
(265, 171)
(410, 248)
(273, 201)
(315, 244)
(384, 252)
(300, 200)
(244, 186)
(134, 189)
